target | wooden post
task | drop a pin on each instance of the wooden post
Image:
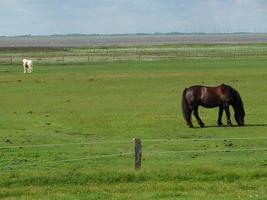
(138, 153)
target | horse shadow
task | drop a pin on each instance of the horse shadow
(233, 126)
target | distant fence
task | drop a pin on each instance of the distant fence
(146, 54)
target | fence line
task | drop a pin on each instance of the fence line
(62, 144)
(145, 55)
(155, 153)
(203, 139)
(138, 164)
(127, 141)
(146, 153)
(208, 151)
(74, 159)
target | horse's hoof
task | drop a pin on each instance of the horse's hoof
(190, 126)
(202, 125)
(220, 125)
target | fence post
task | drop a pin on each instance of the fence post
(11, 60)
(138, 153)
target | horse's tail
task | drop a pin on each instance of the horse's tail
(185, 107)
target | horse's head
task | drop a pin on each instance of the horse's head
(238, 108)
(239, 116)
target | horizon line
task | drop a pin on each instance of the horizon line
(141, 33)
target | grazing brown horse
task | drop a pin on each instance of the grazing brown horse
(221, 96)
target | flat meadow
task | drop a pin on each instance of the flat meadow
(67, 128)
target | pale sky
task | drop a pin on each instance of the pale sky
(46, 17)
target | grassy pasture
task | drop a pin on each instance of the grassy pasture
(94, 109)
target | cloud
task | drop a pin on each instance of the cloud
(125, 16)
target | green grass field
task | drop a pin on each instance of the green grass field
(94, 110)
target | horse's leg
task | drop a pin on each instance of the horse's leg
(220, 116)
(189, 119)
(199, 121)
(229, 123)
(187, 116)
(187, 112)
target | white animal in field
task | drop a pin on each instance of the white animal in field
(27, 65)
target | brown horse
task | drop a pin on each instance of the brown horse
(209, 97)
